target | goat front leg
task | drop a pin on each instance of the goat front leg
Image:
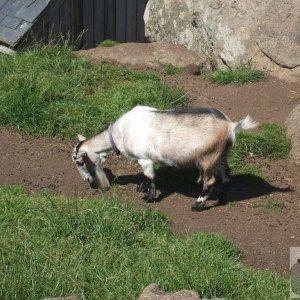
(207, 188)
(148, 169)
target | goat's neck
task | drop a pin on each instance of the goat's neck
(100, 143)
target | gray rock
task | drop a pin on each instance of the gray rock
(6, 50)
(232, 32)
(155, 292)
(293, 125)
(151, 55)
(64, 298)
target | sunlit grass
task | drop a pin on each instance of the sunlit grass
(240, 74)
(103, 249)
(51, 92)
(269, 142)
(171, 70)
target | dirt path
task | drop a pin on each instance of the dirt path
(264, 235)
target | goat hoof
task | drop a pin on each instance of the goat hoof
(223, 200)
(150, 197)
(198, 206)
(142, 188)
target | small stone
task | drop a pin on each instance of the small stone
(155, 292)
(64, 298)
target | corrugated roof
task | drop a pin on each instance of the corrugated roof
(17, 17)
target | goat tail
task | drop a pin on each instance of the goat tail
(246, 123)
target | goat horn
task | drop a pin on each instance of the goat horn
(81, 138)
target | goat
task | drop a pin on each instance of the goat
(182, 138)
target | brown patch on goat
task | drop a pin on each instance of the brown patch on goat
(213, 154)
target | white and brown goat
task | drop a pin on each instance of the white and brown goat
(183, 138)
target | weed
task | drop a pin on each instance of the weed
(240, 74)
(171, 70)
(233, 204)
(101, 249)
(276, 206)
(108, 43)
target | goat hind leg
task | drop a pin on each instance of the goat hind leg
(208, 183)
(225, 177)
(148, 169)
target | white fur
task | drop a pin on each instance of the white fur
(246, 123)
(189, 139)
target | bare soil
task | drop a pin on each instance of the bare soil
(263, 234)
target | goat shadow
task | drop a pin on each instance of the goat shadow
(169, 181)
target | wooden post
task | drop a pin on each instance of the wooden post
(88, 24)
(110, 20)
(141, 6)
(99, 21)
(121, 20)
(131, 21)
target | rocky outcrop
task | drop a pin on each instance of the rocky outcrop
(293, 125)
(232, 32)
(147, 56)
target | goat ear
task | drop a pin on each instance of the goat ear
(81, 138)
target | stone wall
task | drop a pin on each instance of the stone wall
(231, 32)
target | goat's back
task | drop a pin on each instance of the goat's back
(175, 137)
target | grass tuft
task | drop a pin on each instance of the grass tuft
(276, 206)
(108, 43)
(49, 91)
(171, 70)
(233, 204)
(270, 142)
(101, 249)
(241, 74)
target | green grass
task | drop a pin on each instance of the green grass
(108, 43)
(104, 250)
(49, 91)
(240, 74)
(171, 70)
(233, 204)
(269, 142)
(276, 206)
(252, 171)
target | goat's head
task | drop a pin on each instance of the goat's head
(88, 165)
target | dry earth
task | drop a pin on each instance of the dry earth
(263, 235)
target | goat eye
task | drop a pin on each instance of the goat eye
(79, 162)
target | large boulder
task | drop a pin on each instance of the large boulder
(232, 32)
(293, 125)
